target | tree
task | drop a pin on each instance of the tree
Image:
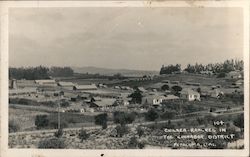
(121, 130)
(165, 87)
(83, 135)
(134, 143)
(239, 121)
(199, 90)
(140, 131)
(101, 119)
(13, 126)
(59, 133)
(41, 121)
(221, 75)
(123, 117)
(53, 143)
(151, 115)
(136, 96)
(177, 89)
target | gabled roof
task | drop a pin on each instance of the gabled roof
(85, 87)
(45, 81)
(189, 92)
(66, 84)
(105, 102)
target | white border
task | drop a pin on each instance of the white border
(6, 152)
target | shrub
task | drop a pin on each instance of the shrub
(239, 121)
(41, 121)
(53, 143)
(165, 87)
(140, 131)
(13, 126)
(59, 133)
(151, 115)
(221, 75)
(83, 135)
(168, 115)
(101, 119)
(134, 143)
(124, 118)
(121, 130)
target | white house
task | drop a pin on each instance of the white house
(190, 95)
(153, 99)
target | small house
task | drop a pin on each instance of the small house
(190, 95)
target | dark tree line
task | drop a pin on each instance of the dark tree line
(40, 72)
(170, 69)
(224, 67)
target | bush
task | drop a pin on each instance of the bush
(54, 123)
(168, 115)
(151, 115)
(53, 143)
(134, 143)
(221, 75)
(140, 131)
(83, 135)
(121, 130)
(165, 87)
(101, 119)
(239, 121)
(124, 118)
(13, 126)
(41, 121)
(59, 133)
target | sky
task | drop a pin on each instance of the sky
(127, 38)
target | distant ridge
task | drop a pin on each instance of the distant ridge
(108, 71)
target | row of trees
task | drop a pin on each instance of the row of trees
(224, 67)
(170, 69)
(40, 72)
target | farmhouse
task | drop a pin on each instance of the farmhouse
(189, 95)
(85, 87)
(102, 103)
(153, 99)
(216, 93)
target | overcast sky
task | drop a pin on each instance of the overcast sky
(129, 38)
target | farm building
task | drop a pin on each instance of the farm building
(28, 90)
(215, 93)
(189, 95)
(66, 85)
(239, 82)
(46, 82)
(170, 98)
(85, 87)
(102, 103)
(153, 99)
